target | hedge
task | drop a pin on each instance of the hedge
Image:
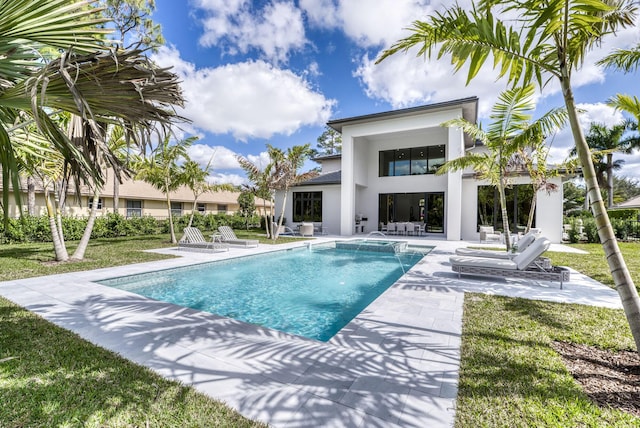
(36, 229)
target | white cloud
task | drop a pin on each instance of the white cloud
(220, 157)
(221, 178)
(405, 80)
(248, 100)
(275, 30)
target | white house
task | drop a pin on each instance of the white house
(386, 173)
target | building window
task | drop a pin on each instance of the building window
(222, 208)
(176, 208)
(98, 207)
(134, 208)
(427, 208)
(307, 206)
(518, 199)
(413, 161)
(201, 208)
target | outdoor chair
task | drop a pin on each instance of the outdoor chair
(306, 229)
(229, 236)
(523, 243)
(488, 234)
(524, 265)
(194, 240)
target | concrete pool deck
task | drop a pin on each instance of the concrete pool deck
(395, 364)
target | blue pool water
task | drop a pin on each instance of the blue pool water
(311, 293)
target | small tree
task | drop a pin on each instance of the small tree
(330, 142)
(161, 170)
(247, 202)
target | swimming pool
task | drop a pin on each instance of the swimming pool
(307, 292)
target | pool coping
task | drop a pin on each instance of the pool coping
(395, 364)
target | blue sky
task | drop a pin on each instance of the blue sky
(258, 72)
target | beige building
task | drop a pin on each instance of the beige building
(136, 198)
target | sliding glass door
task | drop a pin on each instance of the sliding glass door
(427, 208)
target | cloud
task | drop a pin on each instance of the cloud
(222, 178)
(220, 157)
(404, 80)
(251, 99)
(275, 30)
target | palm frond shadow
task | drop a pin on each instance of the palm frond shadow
(259, 371)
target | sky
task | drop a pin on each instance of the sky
(274, 72)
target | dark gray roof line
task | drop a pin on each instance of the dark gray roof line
(334, 177)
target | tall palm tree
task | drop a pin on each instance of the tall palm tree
(161, 170)
(509, 133)
(286, 166)
(548, 40)
(604, 142)
(263, 186)
(54, 58)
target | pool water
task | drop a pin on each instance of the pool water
(311, 293)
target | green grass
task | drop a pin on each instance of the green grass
(49, 377)
(594, 263)
(510, 375)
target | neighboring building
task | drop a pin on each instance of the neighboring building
(631, 203)
(386, 173)
(137, 198)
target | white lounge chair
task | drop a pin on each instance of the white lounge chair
(193, 239)
(488, 234)
(523, 265)
(229, 236)
(522, 245)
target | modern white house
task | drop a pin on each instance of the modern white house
(386, 173)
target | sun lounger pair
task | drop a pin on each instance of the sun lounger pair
(229, 236)
(523, 244)
(194, 240)
(524, 265)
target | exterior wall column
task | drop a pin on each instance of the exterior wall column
(453, 208)
(348, 188)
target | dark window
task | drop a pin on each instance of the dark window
(98, 206)
(134, 208)
(222, 208)
(176, 208)
(518, 199)
(413, 161)
(201, 208)
(307, 206)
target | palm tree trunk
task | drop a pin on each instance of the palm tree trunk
(505, 215)
(193, 210)
(116, 193)
(173, 233)
(619, 271)
(532, 210)
(609, 180)
(284, 204)
(78, 254)
(59, 248)
(31, 196)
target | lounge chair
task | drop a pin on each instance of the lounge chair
(194, 240)
(488, 234)
(522, 245)
(229, 236)
(524, 265)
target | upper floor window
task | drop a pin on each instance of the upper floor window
(413, 161)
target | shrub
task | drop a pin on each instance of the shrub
(591, 230)
(624, 214)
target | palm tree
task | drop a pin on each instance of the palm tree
(53, 56)
(162, 171)
(507, 136)
(195, 178)
(604, 142)
(549, 40)
(263, 187)
(286, 166)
